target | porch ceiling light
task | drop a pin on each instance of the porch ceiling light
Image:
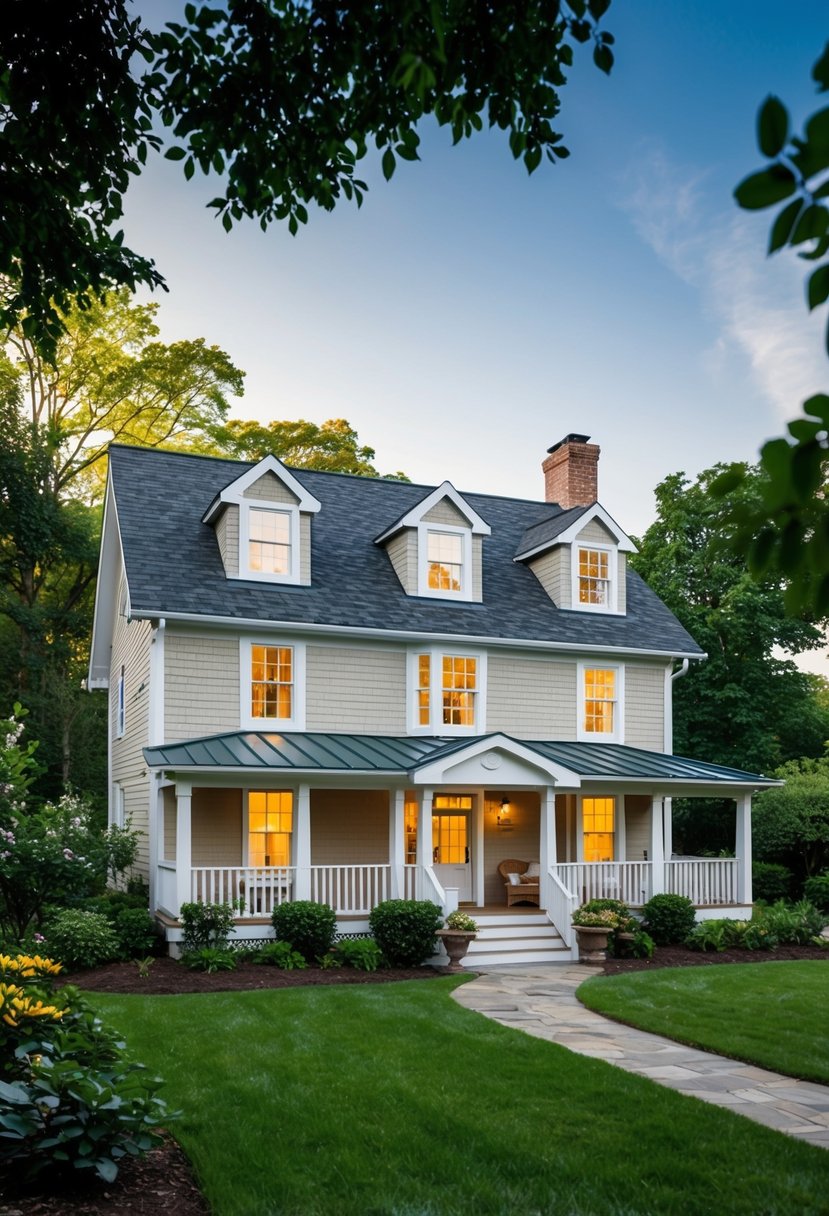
(505, 816)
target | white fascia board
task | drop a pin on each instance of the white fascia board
(624, 544)
(411, 636)
(106, 594)
(286, 774)
(431, 771)
(235, 491)
(680, 787)
(412, 518)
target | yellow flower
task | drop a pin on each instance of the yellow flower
(16, 1005)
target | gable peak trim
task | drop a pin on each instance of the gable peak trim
(414, 517)
(235, 490)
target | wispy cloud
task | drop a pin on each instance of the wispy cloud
(757, 302)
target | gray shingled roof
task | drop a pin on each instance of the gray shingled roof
(544, 531)
(392, 754)
(174, 568)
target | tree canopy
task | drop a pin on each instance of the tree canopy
(747, 705)
(280, 100)
(793, 822)
(786, 529)
(333, 446)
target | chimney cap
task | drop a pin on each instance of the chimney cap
(571, 438)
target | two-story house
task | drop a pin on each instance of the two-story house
(346, 689)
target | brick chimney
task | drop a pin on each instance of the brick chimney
(571, 472)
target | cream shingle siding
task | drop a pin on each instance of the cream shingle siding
(402, 551)
(227, 534)
(217, 827)
(168, 835)
(349, 827)
(531, 698)
(305, 549)
(355, 690)
(445, 512)
(477, 569)
(552, 569)
(622, 588)
(131, 647)
(596, 533)
(637, 826)
(645, 707)
(201, 686)
(270, 489)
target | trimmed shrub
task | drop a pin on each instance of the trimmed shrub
(307, 926)
(136, 933)
(405, 929)
(81, 939)
(771, 881)
(206, 925)
(717, 935)
(793, 924)
(816, 890)
(669, 918)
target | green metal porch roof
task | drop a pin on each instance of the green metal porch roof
(336, 753)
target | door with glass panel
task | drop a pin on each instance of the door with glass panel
(451, 836)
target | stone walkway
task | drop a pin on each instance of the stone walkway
(541, 1000)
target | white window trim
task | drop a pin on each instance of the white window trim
(267, 576)
(246, 719)
(613, 577)
(437, 727)
(121, 704)
(116, 814)
(619, 840)
(423, 587)
(593, 736)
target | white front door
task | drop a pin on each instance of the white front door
(451, 814)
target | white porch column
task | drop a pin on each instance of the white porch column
(184, 849)
(547, 825)
(302, 843)
(397, 841)
(668, 817)
(742, 849)
(656, 851)
(424, 835)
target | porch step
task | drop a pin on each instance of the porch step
(523, 938)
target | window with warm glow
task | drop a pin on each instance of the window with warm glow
(598, 826)
(444, 559)
(450, 832)
(272, 681)
(270, 823)
(445, 691)
(594, 577)
(599, 700)
(459, 688)
(269, 544)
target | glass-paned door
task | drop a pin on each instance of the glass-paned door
(451, 815)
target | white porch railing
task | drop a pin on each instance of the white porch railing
(629, 881)
(351, 890)
(250, 890)
(409, 882)
(705, 880)
(560, 903)
(166, 895)
(428, 887)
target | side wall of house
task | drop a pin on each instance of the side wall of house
(531, 698)
(201, 685)
(131, 650)
(356, 691)
(349, 827)
(645, 706)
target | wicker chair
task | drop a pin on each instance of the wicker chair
(524, 892)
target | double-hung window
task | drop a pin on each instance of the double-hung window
(594, 573)
(598, 828)
(269, 541)
(447, 690)
(270, 823)
(444, 557)
(272, 678)
(121, 708)
(600, 694)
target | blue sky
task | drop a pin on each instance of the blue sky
(469, 316)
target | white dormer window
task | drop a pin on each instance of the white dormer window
(445, 561)
(594, 577)
(269, 543)
(444, 558)
(269, 548)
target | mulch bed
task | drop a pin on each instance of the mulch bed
(163, 1181)
(681, 956)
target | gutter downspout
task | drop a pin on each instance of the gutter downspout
(667, 804)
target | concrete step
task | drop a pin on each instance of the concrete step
(505, 938)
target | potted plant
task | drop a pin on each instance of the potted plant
(593, 927)
(459, 931)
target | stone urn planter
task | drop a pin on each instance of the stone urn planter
(592, 944)
(455, 943)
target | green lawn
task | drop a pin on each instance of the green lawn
(391, 1100)
(772, 1014)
